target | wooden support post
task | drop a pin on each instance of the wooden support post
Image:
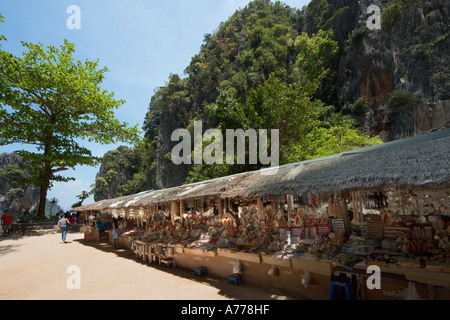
(344, 211)
(181, 210)
(430, 289)
(221, 208)
(173, 211)
(362, 287)
(259, 203)
(355, 208)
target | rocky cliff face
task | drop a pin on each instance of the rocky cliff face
(116, 171)
(408, 53)
(22, 198)
(167, 173)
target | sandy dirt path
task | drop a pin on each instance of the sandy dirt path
(33, 268)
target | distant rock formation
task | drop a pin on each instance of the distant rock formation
(409, 53)
(23, 199)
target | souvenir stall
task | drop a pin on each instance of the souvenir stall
(310, 227)
(404, 232)
(300, 242)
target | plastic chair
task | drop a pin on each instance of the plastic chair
(340, 282)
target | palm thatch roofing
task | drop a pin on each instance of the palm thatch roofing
(108, 203)
(411, 162)
(210, 188)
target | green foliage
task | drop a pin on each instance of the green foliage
(319, 11)
(252, 44)
(357, 109)
(257, 70)
(82, 196)
(337, 18)
(439, 39)
(315, 54)
(400, 101)
(326, 141)
(125, 173)
(13, 173)
(204, 172)
(272, 105)
(49, 100)
(355, 36)
(2, 37)
(101, 184)
(37, 218)
(393, 10)
(15, 192)
(391, 13)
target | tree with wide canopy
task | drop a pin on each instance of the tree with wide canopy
(51, 101)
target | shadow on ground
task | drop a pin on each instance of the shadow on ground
(245, 291)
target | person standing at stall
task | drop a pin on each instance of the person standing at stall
(63, 224)
(115, 227)
(7, 221)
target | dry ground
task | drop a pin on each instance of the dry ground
(35, 268)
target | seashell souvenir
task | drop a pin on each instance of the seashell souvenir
(298, 221)
(386, 219)
(422, 219)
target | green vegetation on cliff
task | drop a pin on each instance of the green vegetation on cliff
(258, 70)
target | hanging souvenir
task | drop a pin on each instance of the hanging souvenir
(298, 221)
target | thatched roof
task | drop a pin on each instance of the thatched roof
(111, 204)
(412, 162)
(210, 188)
(238, 189)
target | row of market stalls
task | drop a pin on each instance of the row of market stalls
(304, 225)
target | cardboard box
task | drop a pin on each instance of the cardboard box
(179, 248)
(321, 267)
(205, 253)
(244, 256)
(270, 259)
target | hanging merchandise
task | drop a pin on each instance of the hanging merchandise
(390, 228)
(338, 226)
(411, 293)
(237, 267)
(306, 279)
(356, 216)
(273, 271)
(298, 221)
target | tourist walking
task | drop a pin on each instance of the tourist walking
(7, 220)
(115, 226)
(63, 224)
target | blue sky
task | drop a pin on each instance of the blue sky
(140, 41)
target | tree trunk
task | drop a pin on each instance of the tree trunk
(44, 189)
(46, 175)
(42, 199)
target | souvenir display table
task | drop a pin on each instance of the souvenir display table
(302, 242)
